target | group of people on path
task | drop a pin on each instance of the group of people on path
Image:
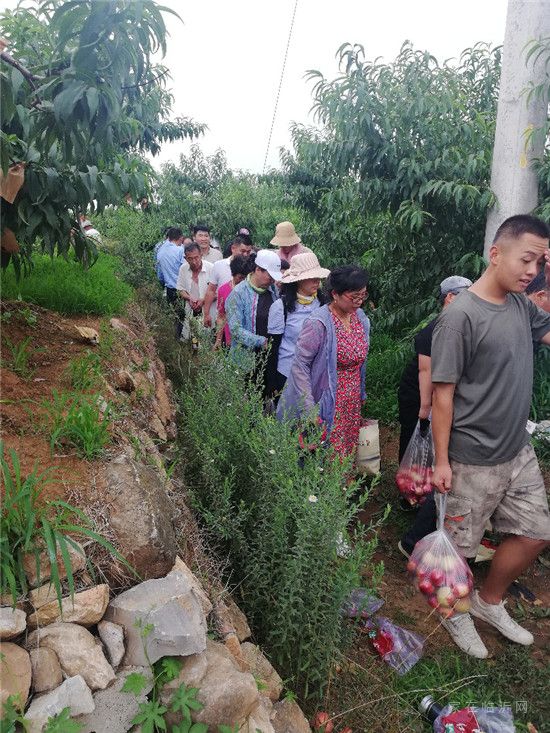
(472, 377)
(307, 347)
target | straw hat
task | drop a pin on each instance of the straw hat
(285, 235)
(304, 267)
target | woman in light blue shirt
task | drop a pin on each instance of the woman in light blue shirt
(300, 297)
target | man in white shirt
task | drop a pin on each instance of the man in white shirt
(201, 235)
(221, 274)
(193, 281)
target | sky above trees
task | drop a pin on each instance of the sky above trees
(226, 58)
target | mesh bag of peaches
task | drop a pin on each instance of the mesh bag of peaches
(438, 569)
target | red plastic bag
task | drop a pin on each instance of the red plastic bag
(414, 476)
(439, 570)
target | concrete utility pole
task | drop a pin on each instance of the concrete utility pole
(513, 180)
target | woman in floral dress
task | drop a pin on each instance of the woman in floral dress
(328, 371)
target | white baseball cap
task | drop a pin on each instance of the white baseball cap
(270, 261)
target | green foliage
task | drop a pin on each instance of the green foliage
(29, 525)
(400, 168)
(78, 421)
(84, 372)
(11, 714)
(167, 669)
(132, 236)
(386, 361)
(89, 103)
(203, 189)
(187, 726)
(540, 406)
(66, 287)
(134, 683)
(276, 515)
(151, 716)
(62, 723)
(184, 700)
(20, 355)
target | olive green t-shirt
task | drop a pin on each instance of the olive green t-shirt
(486, 350)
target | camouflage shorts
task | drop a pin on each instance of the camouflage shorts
(511, 495)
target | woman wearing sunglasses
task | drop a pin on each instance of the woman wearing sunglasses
(328, 370)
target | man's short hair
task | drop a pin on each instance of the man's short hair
(174, 233)
(190, 248)
(515, 226)
(201, 228)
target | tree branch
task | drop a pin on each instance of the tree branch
(5, 56)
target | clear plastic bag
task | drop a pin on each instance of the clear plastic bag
(399, 648)
(439, 570)
(487, 720)
(414, 475)
(361, 603)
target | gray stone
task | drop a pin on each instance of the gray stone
(77, 652)
(115, 710)
(141, 516)
(12, 623)
(169, 608)
(262, 668)
(46, 670)
(227, 694)
(15, 672)
(74, 694)
(286, 717)
(112, 636)
(181, 567)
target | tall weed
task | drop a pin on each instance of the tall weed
(277, 514)
(30, 525)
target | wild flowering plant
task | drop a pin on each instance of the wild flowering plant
(278, 513)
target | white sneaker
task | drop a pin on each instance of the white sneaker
(464, 634)
(498, 616)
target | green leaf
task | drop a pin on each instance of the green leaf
(134, 683)
(150, 716)
(62, 723)
(184, 699)
(170, 668)
(186, 726)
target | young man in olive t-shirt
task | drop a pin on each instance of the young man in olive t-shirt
(482, 372)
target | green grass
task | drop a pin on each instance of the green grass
(77, 422)
(65, 286)
(29, 525)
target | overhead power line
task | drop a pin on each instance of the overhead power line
(280, 84)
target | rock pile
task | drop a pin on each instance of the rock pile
(79, 657)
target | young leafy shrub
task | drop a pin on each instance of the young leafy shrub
(277, 514)
(84, 372)
(78, 421)
(20, 356)
(29, 525)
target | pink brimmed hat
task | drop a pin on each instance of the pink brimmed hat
(304, 267)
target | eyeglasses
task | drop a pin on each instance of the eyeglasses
(357, 297)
